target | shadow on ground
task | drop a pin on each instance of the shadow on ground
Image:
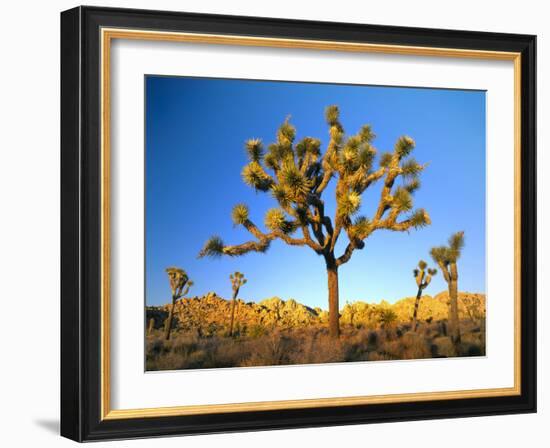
(50, 425)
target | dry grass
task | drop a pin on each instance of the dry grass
(312, 345)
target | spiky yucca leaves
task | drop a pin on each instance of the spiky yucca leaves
(402, 200)
(423, 275)
(240, 214)
(411, 168)
(296, 173)
(332, 115)
(254, 149)
(213, 247)
(254, 176)
(276, 220)
(360, 227)
(349, 204)
(237, 280)
(296, 182)
(412, 185)
(387, 318)
(385, 159)
(419, 218)
(178, 279)
(456, 244)
(404, 146)
(308, 146)
(282, 195)
(446, 257)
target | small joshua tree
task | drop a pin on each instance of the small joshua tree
(178, 280)
(446, 258)
(473, 307)
(237, 280)
(297, 175)
(387, 318)
(151, 326)
(422, 281)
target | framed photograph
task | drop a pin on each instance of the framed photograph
(274, 223)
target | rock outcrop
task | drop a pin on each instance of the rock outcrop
(210, 314)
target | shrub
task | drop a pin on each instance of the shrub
(259, 346)
(443, 347)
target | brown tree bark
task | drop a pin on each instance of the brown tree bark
(415, 313)
(333, 307)
(168, 324)
(454, 329)
(233, 303)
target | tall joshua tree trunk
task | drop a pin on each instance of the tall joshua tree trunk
(415, 313)
(333, 306)
(237, 280)
(446, 257)
(454, 329)
(169, 321)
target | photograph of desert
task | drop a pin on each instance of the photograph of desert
(305, 223)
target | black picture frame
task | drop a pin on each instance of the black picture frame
(81, 224)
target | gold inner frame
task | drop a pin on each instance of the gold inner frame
(107, 35)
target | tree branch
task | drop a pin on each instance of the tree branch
(253, 229)
(289, 240)
(327, 175)
(181, 294)
(250, 246)
(346, 256)
(418, 219)
(445, 271)
(321, 219)
(309, 241)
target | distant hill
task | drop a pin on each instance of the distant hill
(209, 314)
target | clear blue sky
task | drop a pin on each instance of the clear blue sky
(195, 134)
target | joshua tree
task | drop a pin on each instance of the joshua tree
(178, 280)
(446, 257)
(422, 281)
(474, 308)
(151, 326)
(297, 175)
(237, 280)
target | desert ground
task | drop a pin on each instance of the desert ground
(279, 332)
